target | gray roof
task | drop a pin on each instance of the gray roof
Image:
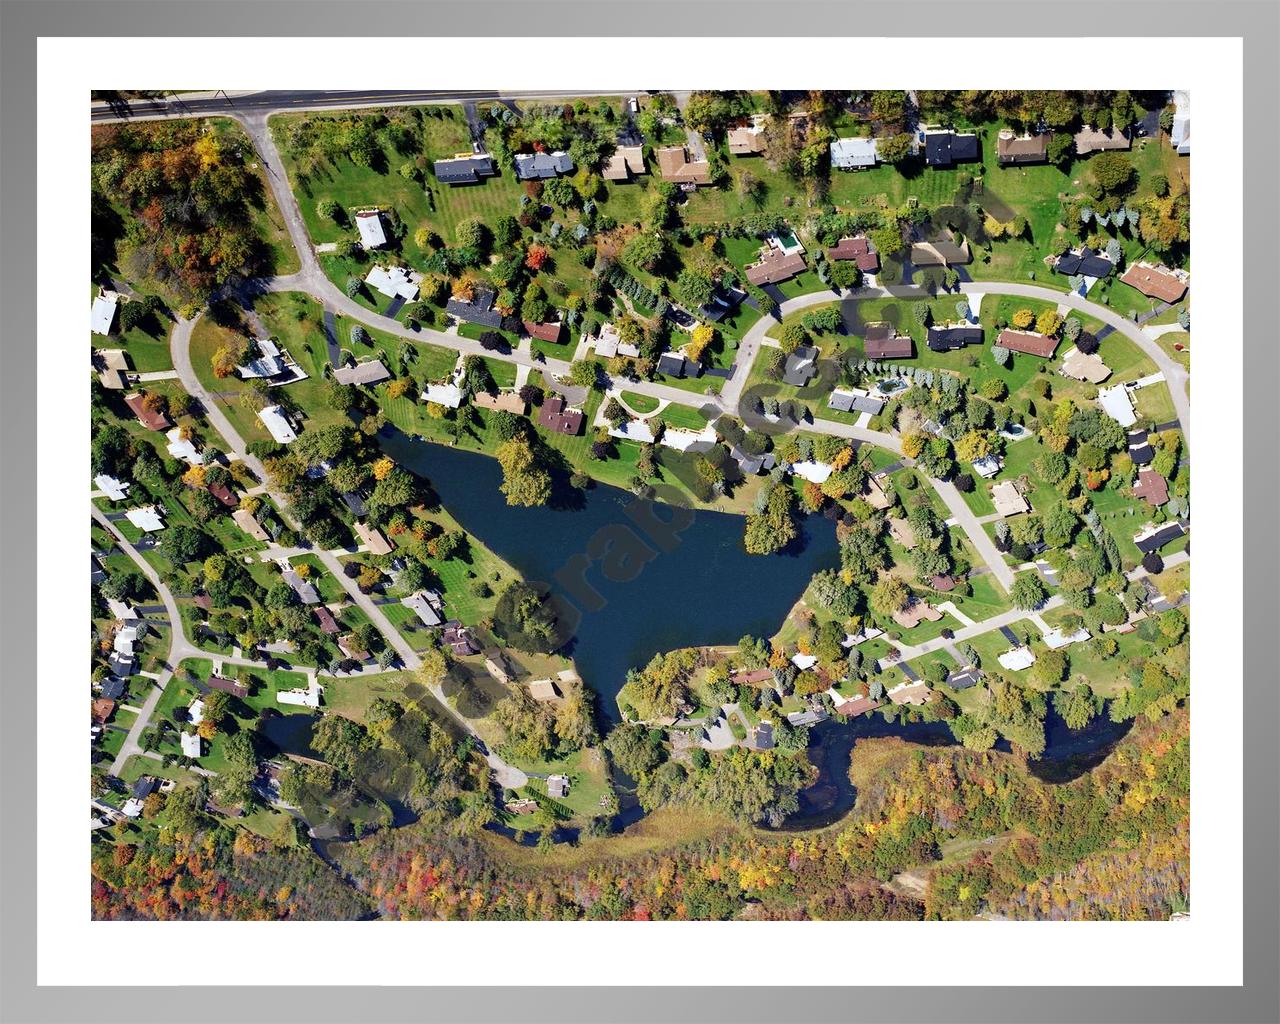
(542, 165)
(465, 170)
(800, 367)
(672, 363)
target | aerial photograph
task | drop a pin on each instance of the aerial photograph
(668, 505)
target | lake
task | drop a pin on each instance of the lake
(641, 577)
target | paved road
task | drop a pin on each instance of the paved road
(221, 104)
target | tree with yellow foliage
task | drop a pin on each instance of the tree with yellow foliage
(194, 477)
(382, 467)
(399, 387)
(703, 335)
(913, 444)
(1023, 319)
(1048, 322)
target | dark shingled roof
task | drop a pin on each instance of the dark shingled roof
(945, 338)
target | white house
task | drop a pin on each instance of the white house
(803, 661)
(449, 395)
(690, 440)
(1055, 639)
(814, 472)
(268, 362)
(190, 744)
(103, 313)
(426, 604)
(1017, 658)
(394, 282)
(195, 713)
(308, 698)
(1180, 133)
(277, 423)
(987, 466)
(633, 430)
(122, 610)
(853, 154)
(1117, 404)
(182, 448)
(146, 518)
(369, 224)
(114, 489)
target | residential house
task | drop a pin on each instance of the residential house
(325, 620)
(677, 364)
(536, 166)
(1153, 538)
(609, 343)
(916, 612)
(97, 573)
(803, 662)
(882, 341)
(859, 705)
(988, 466)
(625, 164)
(504, 401)
(524, 806)
(446, 394)
(355, 503)
(812, 470)
(801, 366)
(949, 336)
(544, 690)
(944, 584)
(748, 139)
(102, 313)
(303, 588)
(101, 710)
(190, 743)
(394, 282)
(195, 713)
(1117, 404)
(775, 265)
(479, 309)
(300, 697)
(1017, 658)
(760, 736)
(853, 400)
(674, 165)
(557, 786)
(372, 538)
(427, 605)
(183, 448)
(495, 663)
(750, 465)
(1078, 366)
(224, 494)
(1008, 500)
(371, 371)
(1180, 133)
(1157, 281)
(369, 224)
(1140, 450)
(1094, 140)
(549, 330)
(854, 154)
(858, 250)
(963, 678)
(245, 520)
(875, 495)
(114, 489)
(914, 692)
(232, 686)
(1012, 148)
(1151, 488)
(351, 649)
(266, 364)
(458, 638)
(1084, 262)
(1056, 639)
(465, 168)
(633, 430)
(113, 368)
(943, 147)
(555, 415)
(113, 687)
(147, 518)
(276, 421)
(1028, 342)
(930, 248)
(150, 418)
(723, 302)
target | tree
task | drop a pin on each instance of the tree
(1153, 563)
(1023, 319)
(1112, 172)
(585, 373)
(646, 250)
(525, 482)
(1028, 591)
(890, 595)
(887, 240)
(433, 668)
(893, 149)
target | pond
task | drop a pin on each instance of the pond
(639, 577)
(685, 580)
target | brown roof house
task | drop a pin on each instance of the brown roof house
(1028, 342)
(1092, 140)
(231, 686)
(858, 250)
(916, 612)
(1151, 487)
(372, 538)
(148, 418)
(774, 265)
(626, 163)
(938, 249)
(748, 140)
(1008, 500)
(882, 341)
(1157, 281)
(674, 165)
(543, 690)
(915, 693)
(555, 415)
(506, 401)
(1012, 148)
(1091, 368)
(548, 330)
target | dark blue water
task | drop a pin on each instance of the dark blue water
(637, 580)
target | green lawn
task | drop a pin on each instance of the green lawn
(639, 403)
(683, 417)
